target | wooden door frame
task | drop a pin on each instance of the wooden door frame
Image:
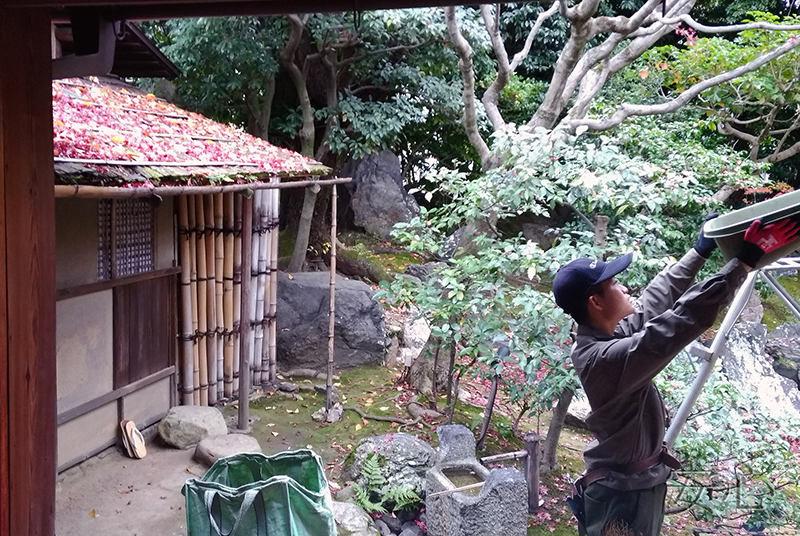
(27, 276)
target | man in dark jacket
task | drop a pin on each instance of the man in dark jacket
(620, 347)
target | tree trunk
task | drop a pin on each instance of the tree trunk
(549, 450)
(303, 229)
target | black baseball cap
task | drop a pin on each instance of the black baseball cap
(573, 281)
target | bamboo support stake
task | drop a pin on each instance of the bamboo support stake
(273, 283)
(202, 299)
(227, 294)
(211, 300)
(263, 227)
(251, 325)
(187, 333)
(219, 266)
(237, 288)
(244, 365)
(332, 313)
(193, 286)
(266, 224)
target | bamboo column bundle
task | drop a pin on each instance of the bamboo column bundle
(227, 294)
(262, 199)
(266, 323)
(192, 222)
(237, 288)
(219, 266)
(244, 355)
(332, 313)
(273, 294)
(187, 331)
(251, 325)
(202, 299)
(211, 300)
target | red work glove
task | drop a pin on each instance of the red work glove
(759, 239)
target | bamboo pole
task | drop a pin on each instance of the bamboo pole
(211, 300)
(244, 355)
(202, 299)
(332, 313)
(187, 334)
(219, 267)
(227, 294)
(237, 288)
(116, 192)
(252, 326)
(266, 324)
(262, 198)
(449, 491)
(193, 286)
(273, 283)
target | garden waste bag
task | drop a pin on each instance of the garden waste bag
(252, 494)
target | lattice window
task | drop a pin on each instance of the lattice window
(126, 238)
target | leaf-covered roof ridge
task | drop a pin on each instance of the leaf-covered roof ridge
(110, 133)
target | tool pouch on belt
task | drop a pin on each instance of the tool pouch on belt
(575, 503)
(576, 500)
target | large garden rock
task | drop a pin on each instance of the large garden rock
(185, 426)
(749, 368)
(351, 520)
(360, 336)
(404, 459)
(783, 346)
(212, 448)
(378, 198)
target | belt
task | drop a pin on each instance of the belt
(632, 468)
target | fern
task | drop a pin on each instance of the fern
(371, 469)
(403, 497)
(364, 500)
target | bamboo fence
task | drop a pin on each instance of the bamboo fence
(210, 238)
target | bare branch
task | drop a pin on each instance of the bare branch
(627, 110)
(732, 28)
(464, 51)
(543, 16)
(505, 68)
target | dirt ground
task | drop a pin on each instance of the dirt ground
(112, 494)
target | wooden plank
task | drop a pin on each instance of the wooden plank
(28, 205)
(100, 286)
(116, 394)
(144, 329)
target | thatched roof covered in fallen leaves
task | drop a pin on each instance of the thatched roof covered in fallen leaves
(110, 134)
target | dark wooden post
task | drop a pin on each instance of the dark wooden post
(27, 276)
(532, 470)
(246, 323)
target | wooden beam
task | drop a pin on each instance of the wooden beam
(27, 276)
(159, 9)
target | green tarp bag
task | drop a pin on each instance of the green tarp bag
(252, 494)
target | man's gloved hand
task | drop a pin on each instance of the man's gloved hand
(759, 239)
(705, 246)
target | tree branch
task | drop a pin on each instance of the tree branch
(732, 28)
(464, 51)
(627, 110)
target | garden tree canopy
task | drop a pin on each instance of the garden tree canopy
(331, 85)
(759, 108)
(598, 47)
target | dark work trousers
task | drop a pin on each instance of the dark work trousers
(641, 510)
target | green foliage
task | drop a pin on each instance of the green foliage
(499, 286)
(374, 498)
(740, 461)
(762, 104)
